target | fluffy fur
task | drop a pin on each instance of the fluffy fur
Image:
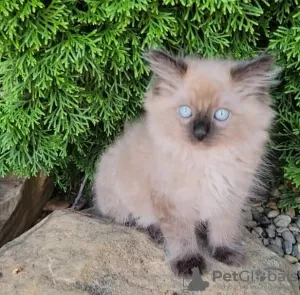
(158, 174)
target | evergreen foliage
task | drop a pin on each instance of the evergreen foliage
(72, 72)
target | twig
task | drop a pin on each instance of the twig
(78, 197)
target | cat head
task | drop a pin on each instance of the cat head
(209, 102)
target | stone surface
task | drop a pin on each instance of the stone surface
(273, 213)
(276, 249)
(290, 258)
(69, 253)
(21, 202)
(291, 212)
(258, 231)
(280, 230)
(287, 247)
(251, 224)
(288, 236)
(266, 241)
(282, 220)
(270, 232)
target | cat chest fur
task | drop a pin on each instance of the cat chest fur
(200, 191)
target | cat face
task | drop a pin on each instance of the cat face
(205, 103)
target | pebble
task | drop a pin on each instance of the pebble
(266, 241)
(290, 258)
(295, 251)
(297, 237)
(272, 226)
(251, 223)
(282, 220)
(264, 221)
(290, 212)
(275, 192)
(298, 222)
(287, 247)
(294, 229)
(260, 209)
(297, 265)
(273, 213)
(271, 233)
(280, 230)
(256, 204)
(258, 230)
(272, 205)
(256, 215)
(276, 249)
(288, 236)
(278, 242)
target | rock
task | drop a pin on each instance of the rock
(290, 258)
(272, 226)
(280, 230)
(275, 193)
(298, 222)
(287, 247)
(290, 212)
(256, 204)
(251, 224)
(271, 233)
(297, 200)
(278, 242)
(288, 236)
(276, 249)
(294, 229)
(264, 221)
(260, 209)
(258, 231)
(297, 237)
(21, 203)
(295, 251)
(282, 220)
(69, 253)
(272, 205)
(273, 213)
(266, 241)
(256, 215)
(297, 265)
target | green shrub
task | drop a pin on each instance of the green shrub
(72, 72)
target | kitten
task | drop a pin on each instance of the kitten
(188, 165)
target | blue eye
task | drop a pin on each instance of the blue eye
(185, 111)
(221, 114)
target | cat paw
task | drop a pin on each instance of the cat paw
(229, 256)
(183, 267)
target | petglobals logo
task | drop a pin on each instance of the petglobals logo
(269, 274)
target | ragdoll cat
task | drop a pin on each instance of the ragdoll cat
(188, 165)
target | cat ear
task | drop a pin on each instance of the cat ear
(165, 67)
(258, 73)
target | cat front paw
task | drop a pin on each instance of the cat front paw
(183, 267)
(231, 256)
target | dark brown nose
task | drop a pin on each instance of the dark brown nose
(200, 129)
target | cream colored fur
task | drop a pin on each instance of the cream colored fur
(155, 174)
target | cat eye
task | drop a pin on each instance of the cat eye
(185, 111)
(221, 114)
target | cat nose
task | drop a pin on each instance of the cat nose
(200, 130)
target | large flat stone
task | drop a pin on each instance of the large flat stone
(69, 253)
